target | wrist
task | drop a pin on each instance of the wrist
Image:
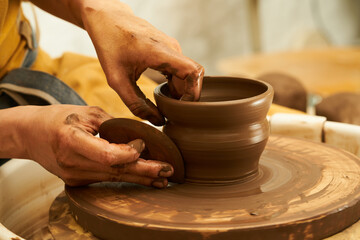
(74, 8)
(90, 8)
(68, 10)
(13, 126)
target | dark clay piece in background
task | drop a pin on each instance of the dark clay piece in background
(341, 107)
(288, 91)
(157, 145)
(222, 136)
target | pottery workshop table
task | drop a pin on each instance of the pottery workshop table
(322, 71)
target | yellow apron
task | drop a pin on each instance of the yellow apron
(13, 47)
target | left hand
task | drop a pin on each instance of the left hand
(61, 139)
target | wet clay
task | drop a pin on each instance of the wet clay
(304, 190)
(157, 145)
(288, 90)
(62, 225)
(296, 190)
(222, 136)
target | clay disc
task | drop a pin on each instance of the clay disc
(304, 190)
(158, 146)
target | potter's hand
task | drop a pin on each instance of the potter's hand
(127, 45)
(61, 139)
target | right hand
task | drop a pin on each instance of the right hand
(61, 139)
(127, 45)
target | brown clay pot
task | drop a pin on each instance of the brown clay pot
(222, 136)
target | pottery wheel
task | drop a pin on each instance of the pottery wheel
(304, 190)
(62, 224)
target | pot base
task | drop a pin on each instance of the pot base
(304, 190)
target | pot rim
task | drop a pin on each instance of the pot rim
(267, 92)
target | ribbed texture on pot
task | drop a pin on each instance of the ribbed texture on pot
(222, 136)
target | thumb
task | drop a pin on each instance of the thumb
(138, 144)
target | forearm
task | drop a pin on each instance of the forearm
(73, 10)
(11, 132)
(68, 10)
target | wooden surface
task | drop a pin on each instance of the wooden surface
(305, 190)
(322, 71)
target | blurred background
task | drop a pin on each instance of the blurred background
(211, 30)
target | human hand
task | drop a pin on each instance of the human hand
(127, 45)
(61, 139)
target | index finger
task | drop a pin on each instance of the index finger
(135, 99)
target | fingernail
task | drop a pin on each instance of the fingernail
(166, 171)
(138, 144)
(158, 183)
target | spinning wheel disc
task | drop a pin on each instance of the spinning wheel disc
(62, 225)
(304, 190)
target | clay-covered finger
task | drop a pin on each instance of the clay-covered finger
(136, 101)
(146, 181)
(176, 86)
(79, 178)
(186, 74)
(193, 84)
(99, 150)
(143, 167)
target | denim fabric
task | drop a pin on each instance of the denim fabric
(31, 54)
(43, 82)
(30, 58)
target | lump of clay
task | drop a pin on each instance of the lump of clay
(289, 91)
(341, 107)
